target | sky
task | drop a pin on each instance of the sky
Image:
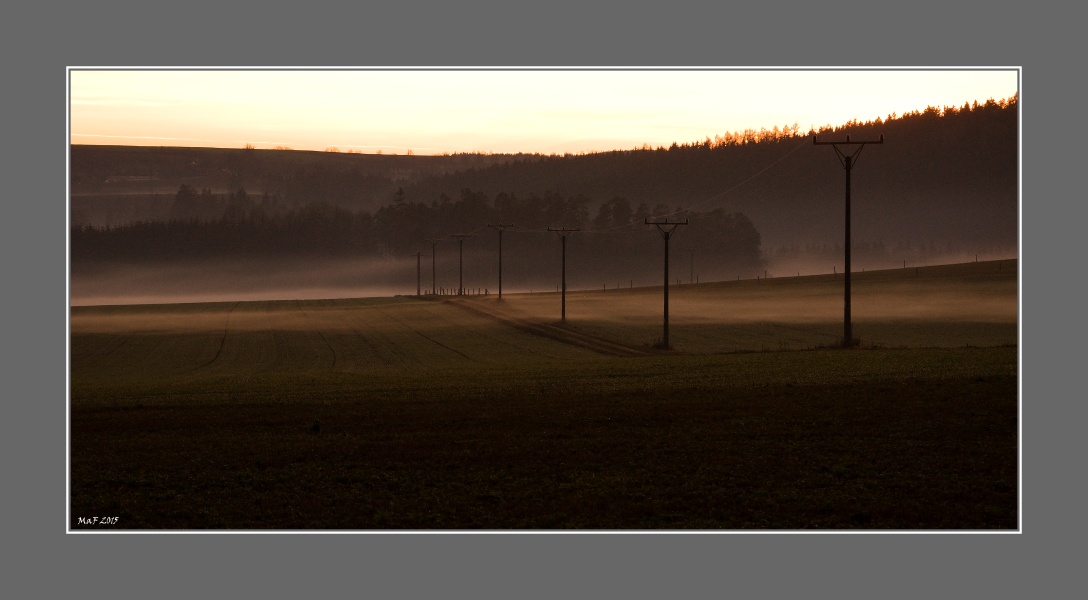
(547, 111)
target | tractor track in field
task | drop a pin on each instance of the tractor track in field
(423, 335)
(494, 339)
(307, 314)
(222, 340)
(375, 341)
(558, 333)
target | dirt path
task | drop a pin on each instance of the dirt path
(558, 332)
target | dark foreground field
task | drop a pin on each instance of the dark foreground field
(405, 414)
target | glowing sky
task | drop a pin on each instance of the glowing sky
(435, 111)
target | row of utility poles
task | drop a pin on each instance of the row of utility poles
(666, 228)
(460, 267)
(460, 237)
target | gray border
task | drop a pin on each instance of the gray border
(544, 35)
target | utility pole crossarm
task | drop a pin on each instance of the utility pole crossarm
(818, 143)
(666, 227)
(843, 158)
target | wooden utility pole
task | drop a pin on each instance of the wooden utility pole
(461, 261)
(434, 243)
(500, 227)
(419, 290)
(691, 276)
(666, 229)
(848, 160)
(563, 233)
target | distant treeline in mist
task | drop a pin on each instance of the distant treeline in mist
(944, 178)
(613, 243)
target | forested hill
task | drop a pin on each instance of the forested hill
(945, 177)
(939, 177)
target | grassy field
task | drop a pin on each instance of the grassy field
(943, 306)
(399, 413)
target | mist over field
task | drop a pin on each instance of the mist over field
(236, 279)
(789, 266)
(334, 277)
(970, 304)
(339, 277)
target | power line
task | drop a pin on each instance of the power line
(681, 210)
(564, 231)
(711, 198)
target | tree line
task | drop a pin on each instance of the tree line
(614, 242)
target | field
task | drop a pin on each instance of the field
(436, 414)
